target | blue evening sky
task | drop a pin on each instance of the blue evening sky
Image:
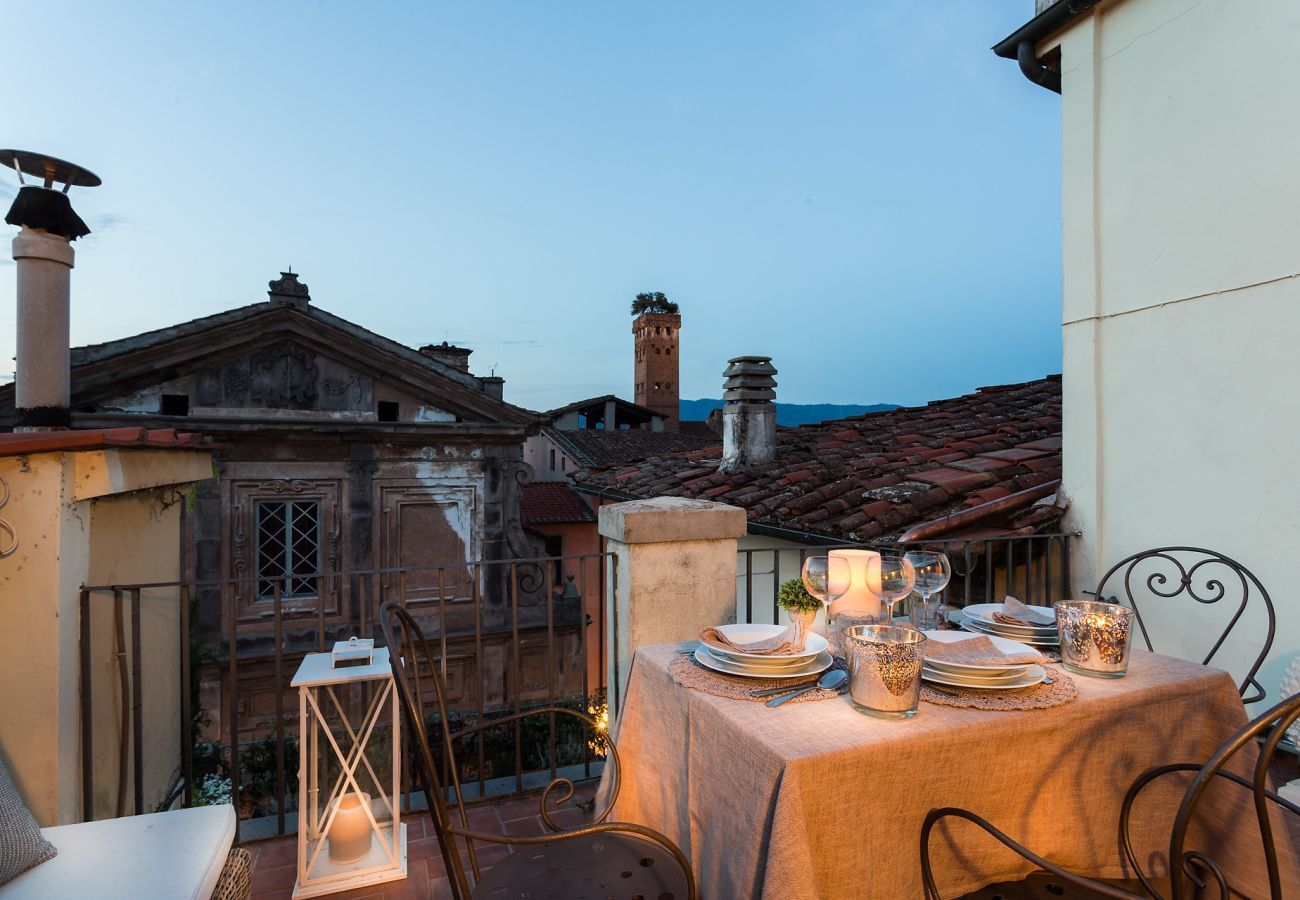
(860, 190)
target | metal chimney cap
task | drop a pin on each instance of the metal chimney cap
(49, 168)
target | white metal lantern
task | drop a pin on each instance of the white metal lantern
(350, 832)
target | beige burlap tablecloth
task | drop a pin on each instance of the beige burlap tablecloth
(815, 801)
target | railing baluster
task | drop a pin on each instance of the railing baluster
(582, 655)
(232, 653)
(551, 668)
(137, 705)
(187, 713)
(87, 716)
(276, 599)
(749, 586)
(320, 615)
(776, 585)
(477, 592)
(518, 674)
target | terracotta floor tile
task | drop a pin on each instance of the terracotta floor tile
(528, 827)
(281, 878)
(270, 854)
(414, 887)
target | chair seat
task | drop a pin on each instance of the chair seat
(596, 866)
(1045, 886)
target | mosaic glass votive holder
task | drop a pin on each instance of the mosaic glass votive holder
(843, 620)
(884, 669)
(1095, 637)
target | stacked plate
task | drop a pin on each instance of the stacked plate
(981, 677)
(980, 619)
(814, 658)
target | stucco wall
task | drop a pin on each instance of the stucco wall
(82, 518)
(1181, 301)
(39, 730)
(134, 538)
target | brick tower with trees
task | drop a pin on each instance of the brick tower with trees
(655, 331)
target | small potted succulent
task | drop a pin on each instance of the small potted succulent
(801, 606)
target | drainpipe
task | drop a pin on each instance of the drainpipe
(1034, 70)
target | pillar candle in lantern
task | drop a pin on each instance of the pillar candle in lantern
(350, 833)
(858, 598)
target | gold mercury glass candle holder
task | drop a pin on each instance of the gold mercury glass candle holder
(1095, 637)
(841, 621)
(884, 669)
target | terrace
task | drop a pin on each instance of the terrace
(178, 736)
(673, 568)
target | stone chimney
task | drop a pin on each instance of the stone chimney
(456, 357)
(42, 252)
(749, 415)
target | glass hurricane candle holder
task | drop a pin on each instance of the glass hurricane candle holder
(1095, 637)
(884, 669)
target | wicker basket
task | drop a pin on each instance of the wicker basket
(236, 881)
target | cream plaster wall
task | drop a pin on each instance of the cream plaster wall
(1181, 243)
(82, 518)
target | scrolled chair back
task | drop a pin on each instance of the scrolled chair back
(1192, 871)
(1200, 867)
(415, 672)
(1193, 574)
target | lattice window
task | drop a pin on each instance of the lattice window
(288, 547)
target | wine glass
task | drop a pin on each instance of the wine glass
(932, 574)
(891, 578)
(826, 578)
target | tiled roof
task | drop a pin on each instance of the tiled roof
(598, 448)
(874, 476)
(24, 442)
(599, 402)
(553, 502)
(699, 428)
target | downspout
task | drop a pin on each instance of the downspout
(1034, 70)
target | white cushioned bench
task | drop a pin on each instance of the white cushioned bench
(177, 855)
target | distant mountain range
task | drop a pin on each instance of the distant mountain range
(788, 413)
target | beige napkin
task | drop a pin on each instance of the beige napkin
(783, 644)
(1016, 613)
(978, 651)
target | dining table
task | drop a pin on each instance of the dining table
(816, 801)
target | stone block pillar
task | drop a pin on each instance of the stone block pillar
(674, 574)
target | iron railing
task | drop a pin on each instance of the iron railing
(1034, 568)
(486, 616)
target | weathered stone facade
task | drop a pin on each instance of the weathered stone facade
(340, 451)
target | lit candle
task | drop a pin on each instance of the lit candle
(858, 599)
(350, 833)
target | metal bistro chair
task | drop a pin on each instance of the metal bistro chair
(599, 860)
(1197, 867)
(1204, 576)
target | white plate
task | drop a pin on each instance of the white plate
(775, 664)
(1034, 675)
(982, 679)
(1035, 641)
(820, 663)
(1003, 645)
(745, 634)
(983, 613)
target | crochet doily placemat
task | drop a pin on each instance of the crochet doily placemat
(1040, 696)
